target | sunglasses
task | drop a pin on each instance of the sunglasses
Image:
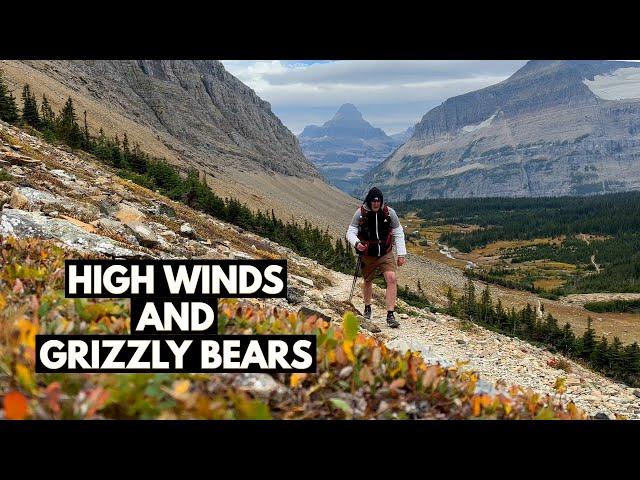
(375, 200)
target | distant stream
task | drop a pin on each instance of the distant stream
(444, 250)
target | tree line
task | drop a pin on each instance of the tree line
(613, 359)
(612, 215)
(155, 173)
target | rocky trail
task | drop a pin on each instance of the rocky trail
(51, 193)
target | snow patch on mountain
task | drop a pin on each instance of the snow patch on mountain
(621, 84)
(478, 126)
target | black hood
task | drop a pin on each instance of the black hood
(373, 193)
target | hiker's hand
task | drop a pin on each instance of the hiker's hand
(401, 261)
(361, 247)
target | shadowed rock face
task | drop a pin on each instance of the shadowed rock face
(346, 146)
(195, 107)
(543, 131)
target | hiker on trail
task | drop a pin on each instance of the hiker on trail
(374, 228)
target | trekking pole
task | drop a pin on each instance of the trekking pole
(355, 276)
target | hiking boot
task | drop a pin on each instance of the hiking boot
(391, 320)
(367, 312)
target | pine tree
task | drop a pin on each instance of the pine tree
(452, 306)
(588, 340)
(469, 301)
(616, 357)
(67, 126)
(87, 138)
(600, 355)
(30, 108)
(47, 116)
(8, 108)
(485, 306)
(567, 341)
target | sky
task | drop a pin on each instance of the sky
(391, 94)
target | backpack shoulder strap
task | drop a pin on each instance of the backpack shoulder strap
(385, 210)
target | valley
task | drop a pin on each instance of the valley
(437, 267)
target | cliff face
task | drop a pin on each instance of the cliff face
(552, 128)
(195, 108)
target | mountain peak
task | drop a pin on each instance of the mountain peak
(348, 110)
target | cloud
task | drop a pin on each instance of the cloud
(392, 94)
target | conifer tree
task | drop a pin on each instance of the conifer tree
(47, 116)
(588, 340)
(30, 113)
(8, 108)
(67, 126)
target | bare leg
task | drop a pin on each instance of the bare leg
(367, 289)
(390, 277)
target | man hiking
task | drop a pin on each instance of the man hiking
(374, 228)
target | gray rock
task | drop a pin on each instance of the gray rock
(128, 213)
(144, 234)
(240, 255)
(308, 312)
(601, 416)
(165, 210)
(461, 341)
(22, 224)
(64, 175)
(636, 393)
(306, 281)
(259, 384)
(482, 386)
(109, 225)
(27, 198)
(368, 325)
(295, 295)
(187, 230)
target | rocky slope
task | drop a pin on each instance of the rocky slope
(552, 128)
(82, 205)
(195, 114)
(346, 146)
(402, 137)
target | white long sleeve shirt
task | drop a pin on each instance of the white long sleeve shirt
(397, 231)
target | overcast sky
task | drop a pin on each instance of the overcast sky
(391, 94)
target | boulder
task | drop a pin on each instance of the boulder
(368, 325)
(143, 233)
(295, 295)
(19, 200)
(164, 210)
(127, 213)
(187, 230)
(259, 384)
(309, 312)
(22, 224)
(306, 281)
(240, 255)
(85, 226)
(108, 224)
(64, 175)
(27, 198)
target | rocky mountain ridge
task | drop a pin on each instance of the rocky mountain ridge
(346, 146)
(547, 130)
(193, 114)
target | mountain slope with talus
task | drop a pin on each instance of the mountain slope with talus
(552, 128)
(194, 114)
(57, 203)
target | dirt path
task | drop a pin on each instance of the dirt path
(593, 260)
(497, 358)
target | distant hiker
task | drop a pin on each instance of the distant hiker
(371, 231)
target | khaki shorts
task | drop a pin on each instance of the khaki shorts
(385, 263)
